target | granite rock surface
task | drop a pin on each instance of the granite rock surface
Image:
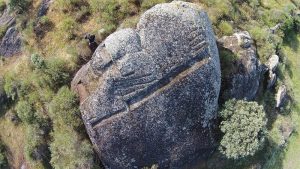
(150, 95)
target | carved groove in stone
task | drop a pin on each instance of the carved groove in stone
(139, 95)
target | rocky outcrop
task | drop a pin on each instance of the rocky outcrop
(272, 64)
(149, 96)
(11, 43)
(244, 79)
(281, 96)
(6, 19)
(43, 9)
(3, 97)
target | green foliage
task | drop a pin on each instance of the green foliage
(10, 85)
(111, 11)
(226, 28)
(25, 112)
(37, 61)
(227, 59)
(20, 5)
(3, 159)
(44, 20)
(64, 109)
(2, 5)
(2, 31)
(67, 28)
(244, 128)
(69, 151)
(67, 5)
(146, 4)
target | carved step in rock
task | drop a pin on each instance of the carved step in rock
(151, 94)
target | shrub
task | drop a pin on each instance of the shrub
(44, 20)
(244, 128)
(25, 112)
(19, 5)
(227, 60)
(10, 86)
(225, 28)
(69, 151)
(35, 150)
(3, 159)
(111, 11)
(64, 109)
(66, 5)
(2, 31)
(2, 5)
(146, 4)
(56, 73)
(37, 61)
(67, 28)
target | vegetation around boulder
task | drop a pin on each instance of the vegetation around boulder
(244, 128)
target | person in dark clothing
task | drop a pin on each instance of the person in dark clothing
(92, 43)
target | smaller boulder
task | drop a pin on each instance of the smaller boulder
(280, 96)
(43, 9)
(11, 43)
(272, 79)
(244, 39)
(243, 81)
(273, 62)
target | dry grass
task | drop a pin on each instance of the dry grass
(13, 137)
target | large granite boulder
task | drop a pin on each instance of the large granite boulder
(11, 43)
(150, 95)
(243, 81)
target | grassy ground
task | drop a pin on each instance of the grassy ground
(292, 153)
(13, 137)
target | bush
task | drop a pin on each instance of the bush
(2, 5)
(64, 109)
(56, 73)
(70, 151)
(244, 128)
(10, 86)
(67, 28)
(3, 159)
(19, 5)
(2, 31)
(25, 112)
(37, 61)
(146, 4)
(111, 11)
(225, 28)
(66, 5)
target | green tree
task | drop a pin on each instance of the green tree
(244, 128)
